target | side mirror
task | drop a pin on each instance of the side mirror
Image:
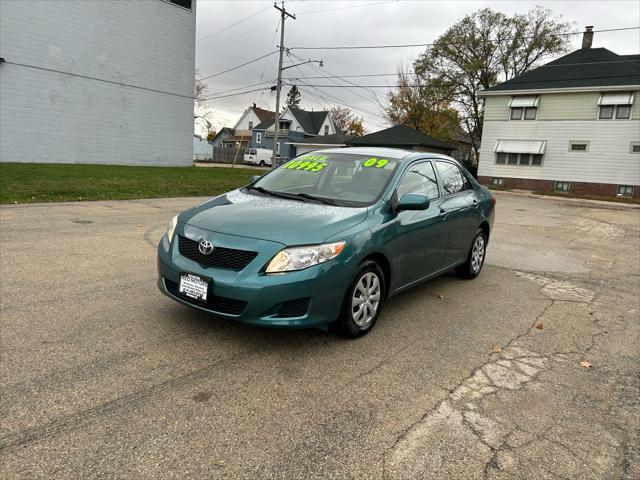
(413, 201)
(254, 179)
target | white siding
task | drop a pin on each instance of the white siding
(242, 127)
(327, 121)
(607, 161)
(53, 117)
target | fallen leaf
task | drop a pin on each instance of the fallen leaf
(440, 297)
(496, 349)
(540, 326)
(584, 364)
(140, 225)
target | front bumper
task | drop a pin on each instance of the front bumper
(303, 299)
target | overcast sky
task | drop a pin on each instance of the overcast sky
(221, 45)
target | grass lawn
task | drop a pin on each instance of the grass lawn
(43, 182)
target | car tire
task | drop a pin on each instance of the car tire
(472, 267)
(368, 288)
(262, 163)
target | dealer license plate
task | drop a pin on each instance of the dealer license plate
(194, 286)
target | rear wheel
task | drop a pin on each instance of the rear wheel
(475, 259)
(363, 301)
(262, 163)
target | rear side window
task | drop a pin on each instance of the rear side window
(420, 178)
(453, 181)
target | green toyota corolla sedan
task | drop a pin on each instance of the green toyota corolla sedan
(326, 238)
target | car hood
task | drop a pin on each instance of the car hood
(290, 222)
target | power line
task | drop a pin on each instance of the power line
(233, 24)
(345, 76)
(121, 84)
(344, 8)
(239, 66)
(409, 45)
(232, 94)
(221, 91)
(357, 86)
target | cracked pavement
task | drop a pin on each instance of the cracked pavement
(103, 377)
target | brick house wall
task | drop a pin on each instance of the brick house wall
(576, 188)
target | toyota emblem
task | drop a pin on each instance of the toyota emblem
(205, 247)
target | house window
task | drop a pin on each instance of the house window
(525, 159)
(497, 181)
(250, 125)
(524, 107)
(606, 112)
(516, 113)
(578, 146)
(258, 137)
(615, 104)
(562, 187)
(625, 190)
(182, 3)
(326, 129)
(635, 147)
(623, 111)
(530, 113)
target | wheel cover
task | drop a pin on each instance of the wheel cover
(477, 254)
(365, 299)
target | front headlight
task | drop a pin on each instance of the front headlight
(171, 227)
(298, 258)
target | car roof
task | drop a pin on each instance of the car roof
(393, 153)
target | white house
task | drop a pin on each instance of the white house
(572, 125)
(97, 81)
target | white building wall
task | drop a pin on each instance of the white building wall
(608, 160)
(47, 116)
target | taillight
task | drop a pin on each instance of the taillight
(493, 200)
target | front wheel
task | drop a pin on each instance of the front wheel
(475, 259)
(262, 163)
(363, 301)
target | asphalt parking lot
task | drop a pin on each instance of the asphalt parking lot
(103, 377)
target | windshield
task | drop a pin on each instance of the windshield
(346, 179)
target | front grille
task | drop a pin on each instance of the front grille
(229, 306)
(221, 257)
(294, 308)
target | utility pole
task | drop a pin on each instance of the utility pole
(283, 15)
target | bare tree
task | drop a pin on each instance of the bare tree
(202, 113)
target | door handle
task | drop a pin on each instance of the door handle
(443, 213)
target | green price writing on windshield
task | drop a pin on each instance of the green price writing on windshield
(375, 162)
(306, 165)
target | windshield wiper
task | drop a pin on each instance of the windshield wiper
(271, 193)
(327, 201)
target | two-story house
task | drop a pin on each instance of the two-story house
(295, 124)
(572, 125)
(240, 135)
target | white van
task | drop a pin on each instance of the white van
(258, 156)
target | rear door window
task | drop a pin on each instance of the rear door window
(453, 181)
